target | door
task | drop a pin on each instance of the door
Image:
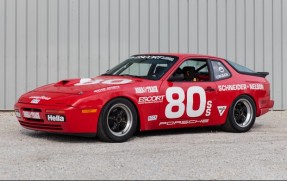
(190, 96)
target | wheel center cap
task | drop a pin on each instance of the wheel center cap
(119, 119)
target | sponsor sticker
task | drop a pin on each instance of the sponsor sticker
(35, 101)
(55, 118)
(148, 89)
(89, 81)
(152, 57)
(233, 87)
(152, 118)
(256, 86)
(40, 97)
(32, 115)
(107, 89)
(221, 69)
(221, 109)
(150, 99)
(223, 75)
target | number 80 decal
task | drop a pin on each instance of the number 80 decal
(189, 102)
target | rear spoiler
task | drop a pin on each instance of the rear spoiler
(262, 74)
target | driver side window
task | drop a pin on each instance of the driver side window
(193, 70)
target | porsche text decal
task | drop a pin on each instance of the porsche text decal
(185, 122)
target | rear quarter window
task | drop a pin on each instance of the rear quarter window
(220, 71)
(240, 68)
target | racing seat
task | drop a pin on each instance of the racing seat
(189, 73)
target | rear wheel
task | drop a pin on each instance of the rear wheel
(118, 121)
(241, 115)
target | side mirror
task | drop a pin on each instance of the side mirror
(175, 78)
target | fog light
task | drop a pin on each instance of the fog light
(17, 113)
(89, 110)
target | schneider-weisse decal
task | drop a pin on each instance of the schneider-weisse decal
(234, 87)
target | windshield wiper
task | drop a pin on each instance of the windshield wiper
(131, 75)
(107, 74)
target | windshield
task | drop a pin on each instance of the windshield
(151, 67)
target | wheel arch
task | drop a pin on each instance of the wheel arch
(250, 96)
(243, 94)
(230, 124)
(132, 102)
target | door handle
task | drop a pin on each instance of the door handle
(209, 89)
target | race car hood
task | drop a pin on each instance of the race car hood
(80, 86)
(69, 91)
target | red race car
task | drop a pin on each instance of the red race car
(150, 92)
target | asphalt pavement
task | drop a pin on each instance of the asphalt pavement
(189, 154)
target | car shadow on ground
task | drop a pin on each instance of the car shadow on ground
(163, 132)
(69, 138)
(93, 139)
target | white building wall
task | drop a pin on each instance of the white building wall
(43, 41)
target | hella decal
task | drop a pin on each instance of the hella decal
(55, 118)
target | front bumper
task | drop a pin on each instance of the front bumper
(76, 122)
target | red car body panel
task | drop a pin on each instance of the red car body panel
(80, 101)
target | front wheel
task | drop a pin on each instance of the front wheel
(118, 121)
(241, 115)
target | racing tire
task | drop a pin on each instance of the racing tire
(241, 115)
(118, 121)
